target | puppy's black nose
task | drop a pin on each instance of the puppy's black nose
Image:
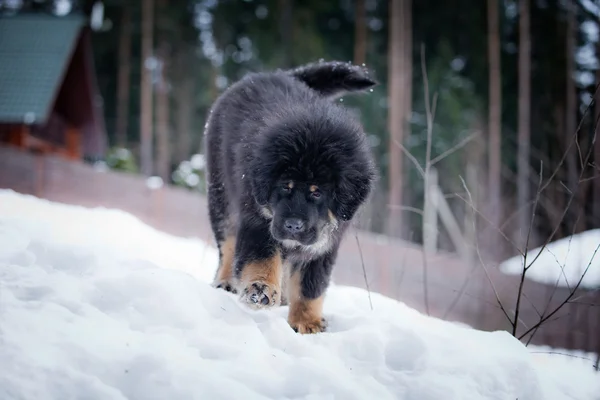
(294, 225)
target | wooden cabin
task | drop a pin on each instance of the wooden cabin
(49, 101)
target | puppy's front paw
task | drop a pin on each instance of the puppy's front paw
(305, 327)
(225, 285)
(261, 295)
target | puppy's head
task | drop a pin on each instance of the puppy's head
(311, 169)
(299, 213)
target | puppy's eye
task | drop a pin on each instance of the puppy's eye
(286, 189)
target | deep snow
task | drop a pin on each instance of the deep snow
(96, 305)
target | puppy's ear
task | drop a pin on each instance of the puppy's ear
(352, 190)
(260, 188)
(260, 179)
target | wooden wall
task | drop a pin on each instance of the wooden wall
(394, 268)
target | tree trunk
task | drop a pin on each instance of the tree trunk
(571, 115)
(360, 33)
(286, 29)
(185, 105)
(557, 185)
(596, 144)
(124, 74)
(163, 142)
(399, 78)
(475, 163)
(408, 66)
(163, 153)
(524, 122)
(146, 117)
(495, 122)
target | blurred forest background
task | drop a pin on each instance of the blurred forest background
(497, 94)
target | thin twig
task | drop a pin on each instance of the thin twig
(562, 267)
(545, 310)
(573, 137)
(589, 178)
(403, 268)
(483, 300)
(425, 281)
(566, 355)
(571, 294)
(406, 208)
(588, 293)
(362, 261)
(509, 240)
(427, 113)
(426, 193)
(410, 157)
(461, 292)
(481, 258)
(579, 153)
(525, 252)
(571, 197)
(514, 214)
(453, 149)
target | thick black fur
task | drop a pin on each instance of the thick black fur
(283, 159)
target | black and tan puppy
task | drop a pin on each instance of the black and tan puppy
(287, 171)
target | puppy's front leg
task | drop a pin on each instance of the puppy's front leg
(307, 286)
(258, 266)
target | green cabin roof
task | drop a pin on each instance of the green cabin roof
(35, 50)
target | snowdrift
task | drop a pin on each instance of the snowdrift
(562, 262)
(96, 305)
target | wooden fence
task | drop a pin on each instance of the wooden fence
(456, 291)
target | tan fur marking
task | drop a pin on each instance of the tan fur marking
(225, 271)
(313, 188)
(267, 271)
(305, 315)
(266, 212)
(332, 217)
(290, 184)
(285, 283)
(260, 282)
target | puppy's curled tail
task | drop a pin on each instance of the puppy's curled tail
(334, 78)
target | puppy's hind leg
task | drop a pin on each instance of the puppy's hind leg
(258, 267)
(220, 224)
(224, 278)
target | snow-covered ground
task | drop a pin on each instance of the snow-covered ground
(562, 262)
(96, 305)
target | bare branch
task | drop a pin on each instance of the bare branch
(410, 157)
(573, 138)
(362, 261)
(406, 208)
(461, 292)
(454, 148)
(572, 291)
(427, 177)
(571, 294)
(425, 281)
(487, 219)
(572, 195)
(566, 355)
(589, 178)
(525, 252)
(553, 232)
(585, 295)
(545, 310)
(481, 258)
